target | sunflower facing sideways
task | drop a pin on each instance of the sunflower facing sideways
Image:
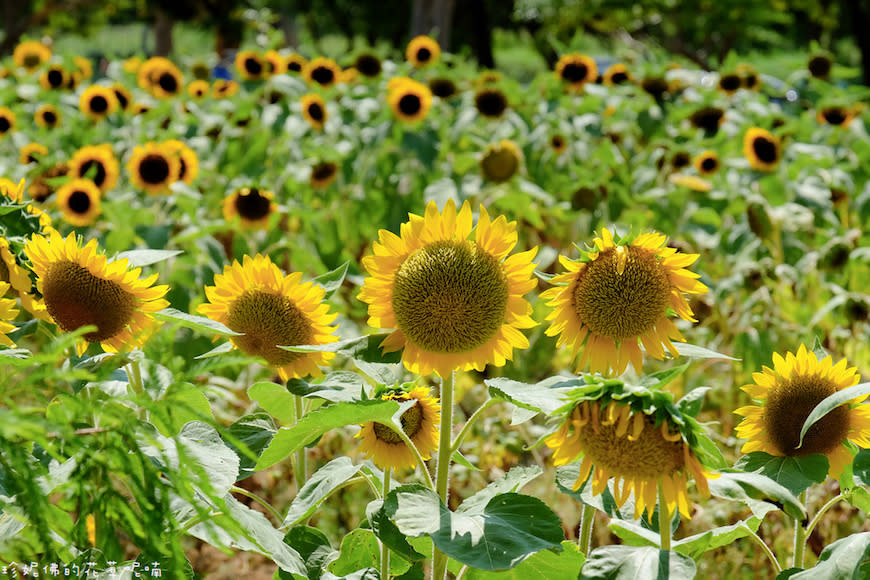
(787, 393)
(80, 287)
(269, 309)
(501, 161)
(79, 202)
(409, 100)
(618, 296)
(420, 423)
(454, 303)
(252, 206)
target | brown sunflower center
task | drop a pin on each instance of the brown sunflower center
(820, 66)
(450, 296)
(267, 321)
(49, 117)
(765, 149)
(315, 111)
(154, 169)
(168, 82)
(99, 175)
(5, 125)
(294, 66)
(410, 104)
(323, 75)
(618, 78)
(789, 404)
(253, 66)
(252, 205)
(75, 297)
(730, 82)
(368, 65)
(834, 115)
(709, 164)
(648, 457)
(323, 171)
(708, 118)
(55, 78)
(490, 103)
(500, 164)
(79, 202)
(99, 104)
(412, 422)
(442, 88)
(622, 293)
(424, 54)
(575, 72)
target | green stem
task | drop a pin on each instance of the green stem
(457, 442)
(586, 519)
(439, 559)
(135, 376)
(420, 461)
(259, 500)
(301, 456)
(664, 519)
(800, 536)
(770, 555)
(385, 551)
(822, 511)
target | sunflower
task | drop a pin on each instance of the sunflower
(7, 121)
(30, 54)
(616, 74)
(54, 78)
(166, 81)
(188, 162)
(250, 65)
(322, 174)
(558, 143)
(442, 87)
(314, 110)
(198, 89)
(490, 102)
(835, 115)
(787, 393)
(820, 66)
(706, 162)
(422, 51)
(123, 96)
(295, 63)
(8, 312)
(12, 272)
(708, 118)
(454, 303)
(749, 78)
(80, 288)
(322, 71)
(46, 116)
(640, 439)
(84, 69)
(501, 161)
(762, 149)
(222, 88)
(32, 153)
(618, 296)
(576, 70)
(654, 86)
(97, 163)
(253, 207)
(275, 63)
(420, 423)
(141, 108)
(409, 100)
(79, 201)
(132, 64)
(729, 83)
(97, 101)
(270, 310)
(153, 168)
(368, 65)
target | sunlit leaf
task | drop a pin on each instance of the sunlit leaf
(830, 403)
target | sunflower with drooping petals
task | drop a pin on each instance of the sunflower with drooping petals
(269, 309)
(639, 438)
(785, 396)
(80, 287)
(617, 297)
(454, 303)
(420, 423)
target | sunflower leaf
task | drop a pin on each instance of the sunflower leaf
(139, 258)
(194, 322)
(360, 550)
(543, 397)
(318, 487)
(632, 562)
(846, 558)
(332, 280)
(760, 492)
(564, 564)
(695, 351)
(275, 400)
(830, 403)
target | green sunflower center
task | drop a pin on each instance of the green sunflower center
(412, 422)
(267, 321)
(75, 297)
(626, 304)
(788, 406)
(765, 149)
(31, 60)
(499, 165)
(450, 297)
(648, 457)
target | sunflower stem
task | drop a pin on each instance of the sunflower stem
(800, 536)
(401, 433)
(259, 500)
(585, 539)
(770, 555)
(664, 519)
(457, 442)
(439, 559)
(385, 551)
(822, 511)
(135, 377)
(301, 457)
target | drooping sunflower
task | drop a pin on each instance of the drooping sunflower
(30, 54)
(253, 207)
(368, 65)
(8, 312)
(786, 394)
(79, 201)
(618, 296)
(409, 100)
(314, 110)
(188, 162)
(706, 162)
(54, 78)
(501, 161)
(420, 423)
(490, 102)
(762, 149)
(835, 115)
(639, 438)
(7, 121)
(576, 69)
(322, 174)
(322, 71)
(81, 288)
(295, 63)
(96, 163)
(47, 116)
(616, 74)
(97, 101)
(250, 65)
(454, 303)
(270, 310)
(422, 51)
(153, 168)
(32, 153)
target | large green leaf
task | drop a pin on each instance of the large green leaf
(332, 280)
(830, 403)
(139, 258)
(794, 473)
(318, 487)
(336, 386)
(254, 432)
(360, 550)
(543, 397)
(513, 480)
(193, 322)
(694, 546)
(847, 558)
(313, 547)
(275, 400)
(179, 406)
(759, 492)
(290, 439)
(629, 562)
(564, 564)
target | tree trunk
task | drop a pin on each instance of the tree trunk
(163, 24)
(481, 39)
(858, 11)
(433, 15)
(16, 16)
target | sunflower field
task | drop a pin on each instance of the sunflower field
(403, 317)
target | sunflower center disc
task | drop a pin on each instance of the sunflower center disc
(499, 165)
(834, 116)
(5, 125)
(315, 112)
(789, 405)
(709, 164)
(625, 305)
(99, 104)
(55, 78)
(323, 171)
(252, 206)
(410, 105)
(490, 103)
(154, 169)
(266, 321)
(575, 72)
(322, 75)
(412, 421)
(450, 297)
(79, 202)
(649, 457)
(74, 298)
(765, 149)
(253, 67)
(168, 82)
